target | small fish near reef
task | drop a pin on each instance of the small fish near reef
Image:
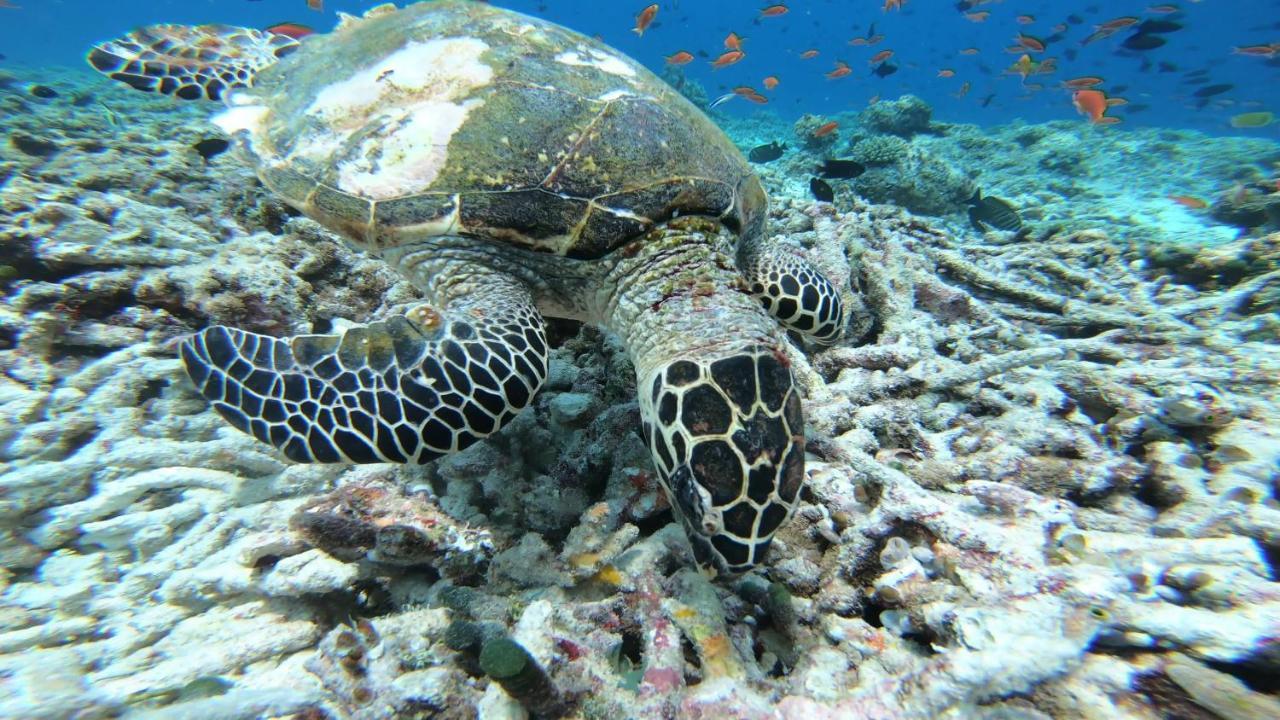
(727, 58)
(991, 212)
(297, 31)
(826, 129)
(821, 191)
(682, 57)
(766, 153)
(644, 19)
(841, 169)
(1187, 201)
(1091, 103)
(1253, 119)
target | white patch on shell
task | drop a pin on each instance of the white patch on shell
(604, 62)
(243, 117)
(405, 108)
(614, 95)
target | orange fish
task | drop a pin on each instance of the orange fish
(727, 58)
(1108, 120)
(297, 31)
(1194, 203)
(1256, 50)
(743, 90)
(873, 99)
(774, 10)
(880, 57)
(841, 70)
(808, 54)
(1025, 19)
(1118, 23)
(1092, 103)
(1082, 83)
(1116, 101)
(977, 16)
(644, 19)
(757, 98)
(317, 5)
(1163, 9)
(969, 51)
(946, 73)
(683, 57)
(826, 129)
(892, 5)
(733, 42)
(770, 82)
(1034, 44)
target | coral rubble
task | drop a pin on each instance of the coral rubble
(1042, 477)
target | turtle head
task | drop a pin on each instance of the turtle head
(726, 434)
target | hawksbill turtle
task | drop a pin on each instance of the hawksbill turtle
(511, 169)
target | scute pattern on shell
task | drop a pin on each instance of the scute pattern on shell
(564, 145)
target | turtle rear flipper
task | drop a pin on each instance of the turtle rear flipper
(405, 390)
(189, 61)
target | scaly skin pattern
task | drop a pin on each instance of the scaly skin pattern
(720, 412)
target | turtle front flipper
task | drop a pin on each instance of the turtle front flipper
(794, 292)
(404, 390)
(189, 61)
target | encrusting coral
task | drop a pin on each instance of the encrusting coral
(1042, 484)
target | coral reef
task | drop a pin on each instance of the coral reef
(1042, 478)
(906, 116)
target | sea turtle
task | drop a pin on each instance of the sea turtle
(509, 168)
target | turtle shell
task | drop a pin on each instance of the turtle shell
(461, 118)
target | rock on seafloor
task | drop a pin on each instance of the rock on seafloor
(1042, 474)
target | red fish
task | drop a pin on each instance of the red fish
(1194, 203)
(880, 57)
(1034, 44)
(317, 5)
(826, 129)
(1256, 50)
(770, 82)
(297, 31)
(808, 54)
(979, 16)
(841, 70)
(969, 51)
(892, 5)
(1163, 9)
(774, 10)
(946, 73)
(1092, 103)
(682, 57)
(727, 58)
(1025, 19)
(1082, 83)
(756, 98)
(644, 19)
(733, 42)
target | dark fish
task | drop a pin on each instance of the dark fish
(766, 153)
(993, 212)
(987, 100)
(1197, 80)
(1136, 107)
(843, 169)
(1167, 67)
(211, 147)
(1142, 41)
(1070, 53)
(1118, 89)
(1158, 26)
(1075, 19)
(884, 70)
(42, 91)
(821, 190)
(1211, 90)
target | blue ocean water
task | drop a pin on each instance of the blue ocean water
(926, 37)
